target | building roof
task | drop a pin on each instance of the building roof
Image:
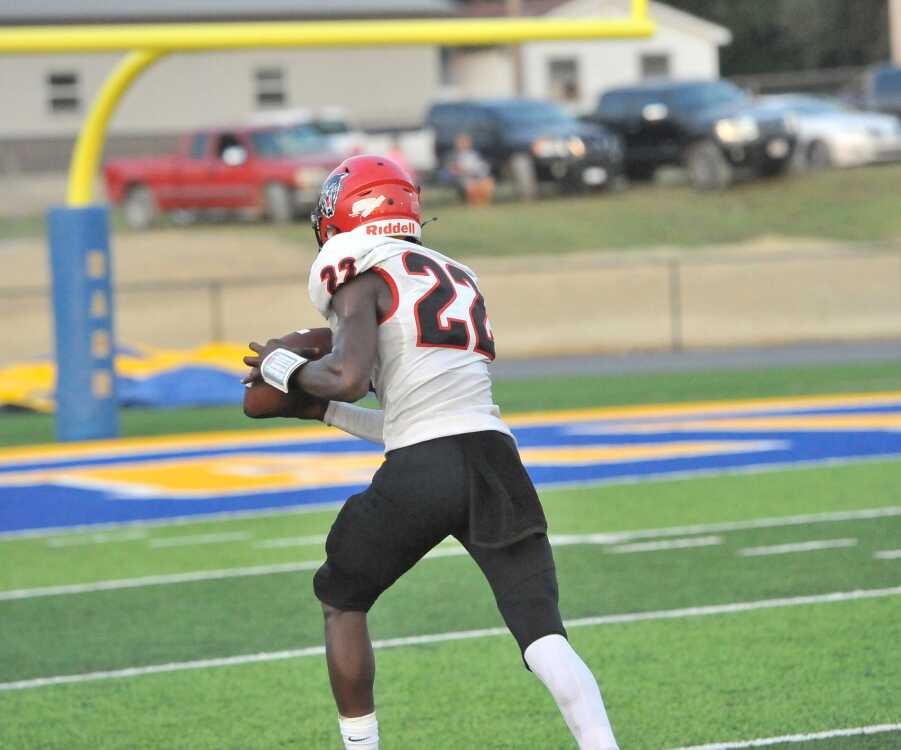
(134, 11)
(662, 13)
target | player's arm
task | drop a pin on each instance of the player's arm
(345, 373)
(368, 424)
(355, 304)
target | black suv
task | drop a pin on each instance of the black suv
(712, 128)
(529, 141)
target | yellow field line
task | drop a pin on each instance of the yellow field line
(695, 407)
(248, 438)
(830, 422)
(152, 444)
(224, 475)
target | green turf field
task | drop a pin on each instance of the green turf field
(701, 642)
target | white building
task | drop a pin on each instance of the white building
(44, 98)
(574, 73)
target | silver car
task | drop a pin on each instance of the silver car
(831, 133)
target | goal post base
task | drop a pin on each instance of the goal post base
(86, 407)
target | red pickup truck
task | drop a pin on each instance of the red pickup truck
(272, 171)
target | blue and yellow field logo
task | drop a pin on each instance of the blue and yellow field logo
(127, 480)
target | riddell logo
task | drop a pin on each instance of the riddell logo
(393, 227)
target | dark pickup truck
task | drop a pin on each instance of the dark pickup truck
(529, 142)
(712, 128)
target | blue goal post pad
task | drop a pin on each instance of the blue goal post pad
(83, 308)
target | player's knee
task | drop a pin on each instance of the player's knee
(342, 591)
(334, 615)
(553, 659)
(531, 610)
(326, 589)
(529, 628)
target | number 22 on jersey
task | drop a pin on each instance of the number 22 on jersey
(456, 333)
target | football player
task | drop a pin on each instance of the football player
(412, 323)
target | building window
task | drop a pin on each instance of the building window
(655, 66)
(62, 91)
(270, 88)
(563, 80)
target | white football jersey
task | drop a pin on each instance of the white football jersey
(431, 371)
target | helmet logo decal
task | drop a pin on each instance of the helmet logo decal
(366, 206)
(330, 192)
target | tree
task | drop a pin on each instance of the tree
(785, 35)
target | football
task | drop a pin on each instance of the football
(261, 400)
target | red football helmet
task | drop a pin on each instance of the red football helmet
(370, 191)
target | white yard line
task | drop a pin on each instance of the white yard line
(670, 614)
(160, 580)
(101, 538)
(888, 554)
(223, 515)
(700, 541)
(887, 512)
(217, 575)
(763, 523)
(616, 537)
(792, 738)
(741, 471)
(290, 541)
(570, 540)
(193, 539)
(788, 549)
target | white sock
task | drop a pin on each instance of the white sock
(362, 731)
(574, 689)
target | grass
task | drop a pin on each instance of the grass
(108, 630)
(17, 428)
(13, 228)
(668, 683)
(853, 205)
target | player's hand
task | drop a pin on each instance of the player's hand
(262, 401)
(252, 377)
(253, 361)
